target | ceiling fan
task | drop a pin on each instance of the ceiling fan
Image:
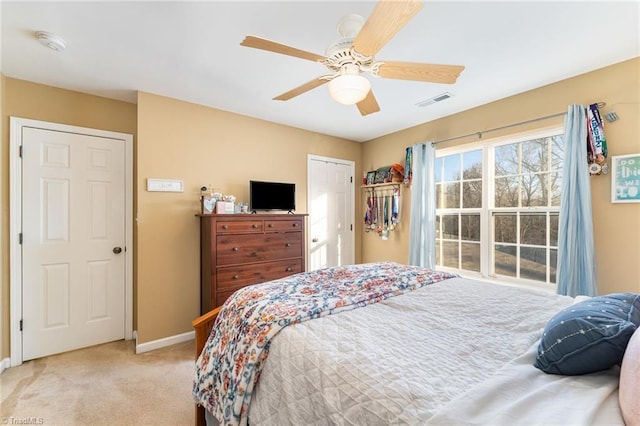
(354, 53)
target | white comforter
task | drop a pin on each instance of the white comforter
(402, 360)
(519, 394)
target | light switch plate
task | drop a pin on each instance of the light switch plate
(165, 185)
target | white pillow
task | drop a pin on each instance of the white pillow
(629, 393)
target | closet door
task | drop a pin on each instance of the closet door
(74, 233)
(331, 212)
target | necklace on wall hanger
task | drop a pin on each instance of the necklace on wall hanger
(368, 214)
(380, 214)
(395, 208)
(374, 210)
(385, 229)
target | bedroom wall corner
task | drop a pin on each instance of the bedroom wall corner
(36, 101)
(396, 248)
(4, 228)
(200, 146)
(616, 226)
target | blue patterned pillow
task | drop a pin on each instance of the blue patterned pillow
(589, 336)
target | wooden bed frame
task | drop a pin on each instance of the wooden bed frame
(203, 326)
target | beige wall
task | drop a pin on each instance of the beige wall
(616, 226)
(35, 101)
(202, 146)
(174, 140)
(180, 140)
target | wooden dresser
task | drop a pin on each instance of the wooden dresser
(237, 250)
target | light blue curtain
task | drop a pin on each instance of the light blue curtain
(576, 263)
(423, 206)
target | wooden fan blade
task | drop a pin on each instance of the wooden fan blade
(301, 89)
(433, 73)
(387, 18)
(368, 105)
(272, 46)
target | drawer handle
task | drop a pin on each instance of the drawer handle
(295, 224)
(225, 226)
(271, 225)
(235, 277)
(289, 269)
(254, 226)
(288, 245)
(235, 249)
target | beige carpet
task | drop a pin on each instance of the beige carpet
(103, 385)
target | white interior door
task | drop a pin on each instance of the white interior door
(73, 230)
(331, 210)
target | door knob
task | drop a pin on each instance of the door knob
(315, 240)
(117, 250)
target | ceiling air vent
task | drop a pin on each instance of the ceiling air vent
(439, 98)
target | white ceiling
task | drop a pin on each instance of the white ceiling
(191, 51)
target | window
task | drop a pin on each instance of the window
(497, 207)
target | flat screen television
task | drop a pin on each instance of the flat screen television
(272, 196)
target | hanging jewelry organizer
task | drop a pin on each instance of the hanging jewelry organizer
(382, 209)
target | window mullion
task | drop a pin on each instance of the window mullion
(548, 248)
(486, 226)
(518, 225)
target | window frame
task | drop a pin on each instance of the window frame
(488, 209)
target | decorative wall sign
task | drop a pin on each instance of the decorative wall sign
(625, 178)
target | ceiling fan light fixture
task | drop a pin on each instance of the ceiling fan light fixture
(349, 89)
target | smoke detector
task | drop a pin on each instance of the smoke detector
(51, 40)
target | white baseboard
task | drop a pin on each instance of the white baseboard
(6, 363)
(161, 343)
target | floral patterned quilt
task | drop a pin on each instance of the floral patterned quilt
(230, 364)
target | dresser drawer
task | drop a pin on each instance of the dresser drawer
(282, 225)
(224, 227)
(233, 249)
(237, 250)
(234, 277)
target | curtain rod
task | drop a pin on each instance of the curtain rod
(520, 123)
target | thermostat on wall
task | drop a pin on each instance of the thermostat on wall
(165, 185)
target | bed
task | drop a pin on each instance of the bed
(384, 343)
